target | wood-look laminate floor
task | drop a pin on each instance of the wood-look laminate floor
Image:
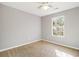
(40, 49)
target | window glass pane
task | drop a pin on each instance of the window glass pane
(58, 26)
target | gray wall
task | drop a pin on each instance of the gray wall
(17, 27)
(71, 37)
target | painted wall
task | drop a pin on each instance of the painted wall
(71, 37)
(18, 27)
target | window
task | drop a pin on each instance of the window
(58, 26)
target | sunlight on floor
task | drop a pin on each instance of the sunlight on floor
(62, 54)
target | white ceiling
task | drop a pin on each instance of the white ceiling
(32, 7)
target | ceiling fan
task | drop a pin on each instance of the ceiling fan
(45, 6)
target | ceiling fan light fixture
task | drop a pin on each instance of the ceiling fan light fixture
(44, 7)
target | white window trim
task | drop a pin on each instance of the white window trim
(52, 26)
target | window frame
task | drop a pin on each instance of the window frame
(54, 18)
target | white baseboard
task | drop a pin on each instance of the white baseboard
(63, 45)
(19, 45)
(36, 41)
